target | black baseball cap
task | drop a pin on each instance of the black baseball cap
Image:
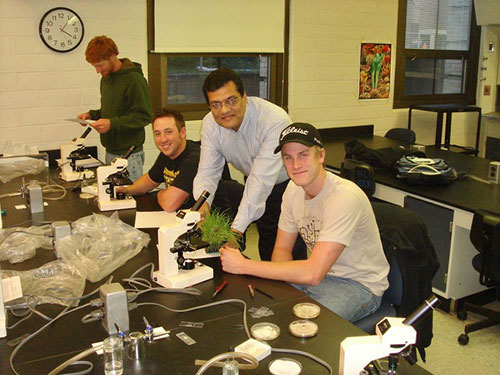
(300, 132)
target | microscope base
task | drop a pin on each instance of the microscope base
(184, 278)
(117, 204)
(73, 176)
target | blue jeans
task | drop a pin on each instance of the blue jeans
(345, 297)
(135, 163)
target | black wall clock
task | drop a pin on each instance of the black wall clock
(61, 29)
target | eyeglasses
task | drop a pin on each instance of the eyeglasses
(229, 102)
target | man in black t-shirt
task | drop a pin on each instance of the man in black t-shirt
(176, 166)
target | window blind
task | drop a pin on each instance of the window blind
(219, 26)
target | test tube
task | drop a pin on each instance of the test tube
(113, 356)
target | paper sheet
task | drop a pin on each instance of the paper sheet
(82, 122)
(153, 219)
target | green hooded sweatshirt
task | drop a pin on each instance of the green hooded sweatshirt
(125, 102)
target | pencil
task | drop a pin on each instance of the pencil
(264, 293)
(250, 288)
(219, 289)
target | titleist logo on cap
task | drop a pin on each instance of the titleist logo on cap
(293, 129)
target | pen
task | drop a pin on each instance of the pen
(219, 289)
(264, 293)
(250, 288)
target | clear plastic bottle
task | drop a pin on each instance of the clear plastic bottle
(230, 367)
(113, 356)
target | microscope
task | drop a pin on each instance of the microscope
(110, 176)
(393, 338)
(173, 241)
(75, 158)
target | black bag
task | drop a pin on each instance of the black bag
(377, 158)
(418, 171)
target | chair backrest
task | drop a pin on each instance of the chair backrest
(391, 298)
(360, 173)
(485, 236)
(402, 134)
(394, 294)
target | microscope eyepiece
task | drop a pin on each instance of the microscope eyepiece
(86, 132)
(203, 197)
(428, 305)
(129, 152)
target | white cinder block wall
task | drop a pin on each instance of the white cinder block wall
(39, 88)
(325, 38)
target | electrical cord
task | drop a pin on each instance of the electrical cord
(47, 189)
(231, 300)
(245, 326)
(76, 360)
(134, 282)
(21, 344)
(305, 354)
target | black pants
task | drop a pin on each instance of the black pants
(267, 226)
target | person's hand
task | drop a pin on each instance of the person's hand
(102, 125)
(232, 260)
(84, 116)
(240, 240)
(121, 189)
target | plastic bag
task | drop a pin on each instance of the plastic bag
(99, 244)
(9, 171)
(11, 148)
(18, 244)
(52, 280)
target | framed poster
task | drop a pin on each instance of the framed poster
(374, 71)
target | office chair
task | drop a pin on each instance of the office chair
(485, 236)
(413, 264)
(402, 134)
(390, 300)
(360, 173)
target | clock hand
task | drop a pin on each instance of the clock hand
(65, 32)
(68, 21)
(66, 24)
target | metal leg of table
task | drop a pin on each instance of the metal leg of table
(439, 130)
(409, 117)
(478, 131)
(447, 133)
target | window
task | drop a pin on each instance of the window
(185, 75)
(182, 76)
(437, 52)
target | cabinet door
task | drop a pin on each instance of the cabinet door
(438, 221)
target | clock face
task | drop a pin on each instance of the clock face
(61, 29)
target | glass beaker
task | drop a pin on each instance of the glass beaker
(113, 356)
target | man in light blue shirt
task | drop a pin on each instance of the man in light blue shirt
(244, 132)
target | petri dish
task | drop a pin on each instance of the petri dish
(285, 366)
(265, 331)
(303, 328)
(306, 310)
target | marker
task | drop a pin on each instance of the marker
(250, 288)
(219, 289)
(264, 293)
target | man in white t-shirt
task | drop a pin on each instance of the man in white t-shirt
(346, 270)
